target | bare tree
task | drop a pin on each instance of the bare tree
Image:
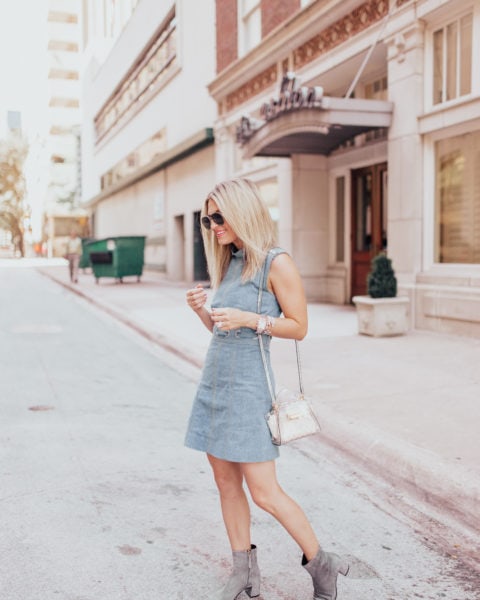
(13, 211)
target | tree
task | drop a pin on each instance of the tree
(13, 211)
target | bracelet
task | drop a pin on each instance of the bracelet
(265, 324)
(261, 325)
(270, 325)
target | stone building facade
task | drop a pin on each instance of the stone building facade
(361, 122)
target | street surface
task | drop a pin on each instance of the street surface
(99, 499)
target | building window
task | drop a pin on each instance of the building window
(250, 21)
(62, 46)
(62, 17)
(64, 102)
(340, 219)
(452, 60)
(457, 161)
(62, 74)
(143, 80)
(377, 90)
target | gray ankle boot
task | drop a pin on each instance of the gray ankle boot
(245, 576)
(324, 569)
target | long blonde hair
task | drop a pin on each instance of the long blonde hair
(241, 205)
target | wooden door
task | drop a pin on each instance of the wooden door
(369, 221)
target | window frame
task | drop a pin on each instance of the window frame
(442, 25)
(438, 215)
(242, 17)
(430, 263)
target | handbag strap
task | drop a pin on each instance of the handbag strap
(260, 338)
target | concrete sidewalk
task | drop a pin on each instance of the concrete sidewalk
(408, 407)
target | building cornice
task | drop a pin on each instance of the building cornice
(288, 37)
(460, 112)
(189, 146)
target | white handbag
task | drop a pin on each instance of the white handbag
(291, 416)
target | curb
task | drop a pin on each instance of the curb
(450, 489)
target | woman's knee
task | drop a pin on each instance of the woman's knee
(265, 498)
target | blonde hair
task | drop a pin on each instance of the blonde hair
(242, 207)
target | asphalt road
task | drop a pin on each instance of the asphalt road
(99, 500)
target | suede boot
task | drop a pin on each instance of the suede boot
(245, 576)
(324, 569)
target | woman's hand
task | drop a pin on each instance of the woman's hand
(233, 318)
(196, 298)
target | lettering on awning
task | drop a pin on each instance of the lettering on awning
(292, 96)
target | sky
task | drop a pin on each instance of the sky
(23, 54)
(23, 87)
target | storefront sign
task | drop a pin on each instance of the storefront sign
(292, 97)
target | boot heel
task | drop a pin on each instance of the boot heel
(343, 566)
(253, 592)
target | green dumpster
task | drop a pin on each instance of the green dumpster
(117, 257)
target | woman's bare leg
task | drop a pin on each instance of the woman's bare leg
(266, 492)
(235, 509)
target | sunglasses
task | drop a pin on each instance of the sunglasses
(216, 217)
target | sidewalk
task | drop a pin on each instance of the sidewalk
(407, 408)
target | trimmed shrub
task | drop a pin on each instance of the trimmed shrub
(381, 281)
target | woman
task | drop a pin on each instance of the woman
(228, 414)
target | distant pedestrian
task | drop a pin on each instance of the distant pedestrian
(228, 415)
(73, 254)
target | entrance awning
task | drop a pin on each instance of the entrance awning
(318, 129)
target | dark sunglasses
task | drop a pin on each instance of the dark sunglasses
(216, 217)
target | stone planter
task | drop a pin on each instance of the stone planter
(381, 317)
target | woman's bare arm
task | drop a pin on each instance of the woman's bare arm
(286, 283)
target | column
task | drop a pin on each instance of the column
(405, 153)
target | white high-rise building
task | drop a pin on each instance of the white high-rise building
(63, 135)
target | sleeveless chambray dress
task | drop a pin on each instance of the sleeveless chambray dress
(228, 413)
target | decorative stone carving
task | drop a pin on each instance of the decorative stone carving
(356, 21)
(262, 81)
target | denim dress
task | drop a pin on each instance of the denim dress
(228, 413)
